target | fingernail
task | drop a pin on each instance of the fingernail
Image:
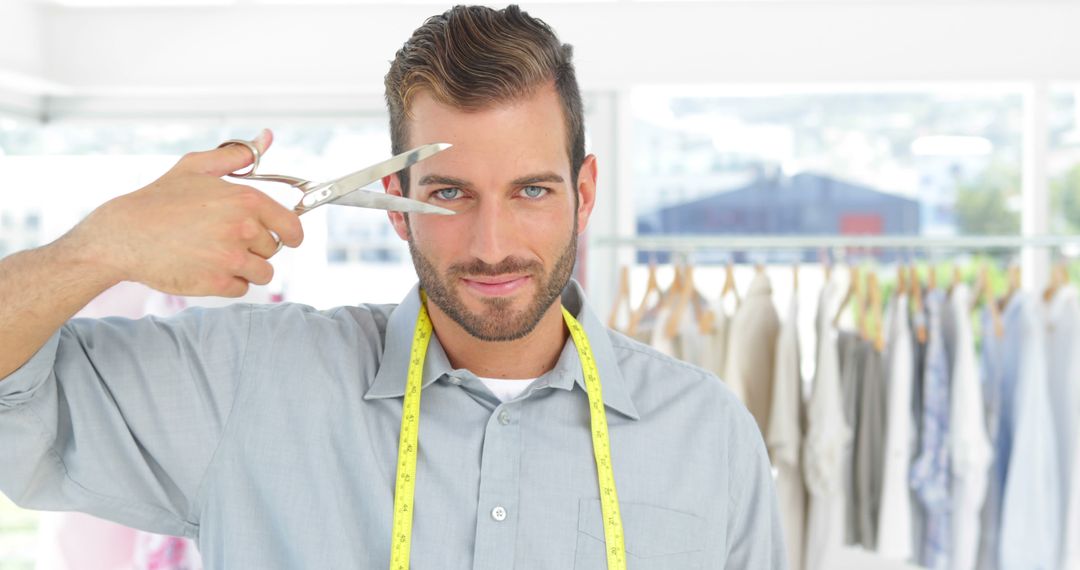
(262, 136)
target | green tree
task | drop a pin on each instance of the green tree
(982, 205)
(1065, 201)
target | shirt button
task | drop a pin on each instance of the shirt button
(499, 514)
(504, 417)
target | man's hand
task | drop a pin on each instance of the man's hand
(190, 232)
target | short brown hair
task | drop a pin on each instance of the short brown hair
(472, 57)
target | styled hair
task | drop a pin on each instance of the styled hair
(475, 57)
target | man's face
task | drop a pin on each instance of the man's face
(499, 264)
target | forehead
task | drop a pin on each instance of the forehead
(520, 134)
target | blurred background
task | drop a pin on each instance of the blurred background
(726, 131)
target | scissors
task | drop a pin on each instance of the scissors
(347, 190)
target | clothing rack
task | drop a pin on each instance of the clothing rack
(696, 242)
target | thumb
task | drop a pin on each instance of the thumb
(227, 159)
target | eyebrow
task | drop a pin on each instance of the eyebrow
(430, 179)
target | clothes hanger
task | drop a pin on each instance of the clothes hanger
(1014, 278)
(681, 289)
(622, 298)
(652, 285)
(917, 304)
(852, 292)
(957, 278)
(1059, 277)
(703, 312)
(729, 284)
(877, 313)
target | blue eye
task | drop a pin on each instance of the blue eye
(534, 191)
(448, 193)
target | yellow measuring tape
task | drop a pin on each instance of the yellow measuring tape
(405, 486)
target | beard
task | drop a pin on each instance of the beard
(498, 321)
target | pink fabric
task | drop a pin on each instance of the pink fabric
(74, 541)
(156, 552)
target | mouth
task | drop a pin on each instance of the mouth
(496, 286)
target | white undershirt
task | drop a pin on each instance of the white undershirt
(506, 390)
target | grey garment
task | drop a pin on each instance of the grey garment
(918, 513)
(869, 461)
(850, 357)
(269, 434)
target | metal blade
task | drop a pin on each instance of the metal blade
(383, 201)
(362, 178)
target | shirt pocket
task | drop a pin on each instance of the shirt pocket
(656, 537)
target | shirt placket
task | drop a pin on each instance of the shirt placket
(500, 477)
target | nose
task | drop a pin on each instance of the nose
(492, 232)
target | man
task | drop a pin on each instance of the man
(271, 433)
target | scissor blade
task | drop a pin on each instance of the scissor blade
(382, 201)
(361, 178)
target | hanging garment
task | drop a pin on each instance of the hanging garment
(930, 473)
(869, 444)
(690, 343)
(992, 364)
(1063, 357)
(1032, 500)
(894, 539)
(917, 318)
(850, 358)
(714, 352)
(751, 350)
(969, 443)
(784, 439)
(826, 437)
(1070, 559)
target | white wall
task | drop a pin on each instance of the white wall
(281, 51)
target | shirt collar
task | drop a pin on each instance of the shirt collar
(393, 369)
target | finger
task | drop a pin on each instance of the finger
(227, 159)
(282, 221)
(264, 245)
(256, 270)
(237, 287)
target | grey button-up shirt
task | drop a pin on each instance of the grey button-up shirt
(269, 434)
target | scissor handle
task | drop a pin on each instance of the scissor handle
(255, 152)
(250, 174)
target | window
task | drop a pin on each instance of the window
(927, 160)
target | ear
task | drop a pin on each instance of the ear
(586, 187)
(392, 185)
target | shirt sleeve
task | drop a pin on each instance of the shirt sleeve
(755, 537)
(120, 418)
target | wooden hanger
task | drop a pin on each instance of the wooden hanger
(682, 293)
(622, 298)
(873, 321)
(729, 284)
(1014, 278)
(651, 286)
(982, 281)
(957, 278)
(992, 304)
(901, 280)
(852, 292)
(1059, 277)
(917, 305)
